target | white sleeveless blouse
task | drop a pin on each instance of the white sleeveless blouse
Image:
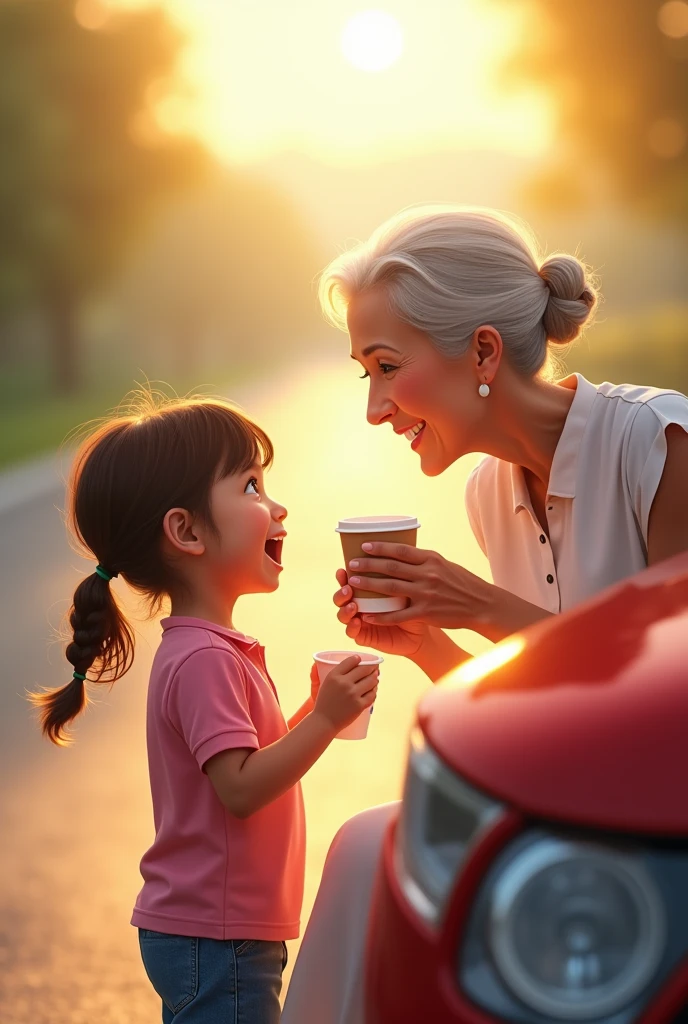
(605, 473)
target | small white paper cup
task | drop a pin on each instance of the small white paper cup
(326, 661)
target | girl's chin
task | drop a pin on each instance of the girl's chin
(271, 579)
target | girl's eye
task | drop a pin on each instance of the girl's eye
(252, 483)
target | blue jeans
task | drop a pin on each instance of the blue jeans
(213, 981)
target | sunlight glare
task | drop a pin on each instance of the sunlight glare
(372, 40)
(477, 668)
(265, 79)
(672, 19)
(91, 14)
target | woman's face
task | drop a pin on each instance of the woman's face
(413, 386)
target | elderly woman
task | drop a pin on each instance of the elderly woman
(451, 313)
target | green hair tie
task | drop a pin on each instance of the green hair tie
(81, 676)
(104, 574)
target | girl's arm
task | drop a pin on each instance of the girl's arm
(299, 715)
(309, 704)
(247, 780)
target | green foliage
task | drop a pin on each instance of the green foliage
(647, 348)
(35, 420)
(620, 86)
(76, 183)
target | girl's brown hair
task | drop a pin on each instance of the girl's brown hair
(125, 477)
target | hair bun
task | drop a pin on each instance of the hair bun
(571, 298)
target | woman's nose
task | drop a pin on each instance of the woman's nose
(379, 408)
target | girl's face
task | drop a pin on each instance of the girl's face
(413, 386)
(246, 554)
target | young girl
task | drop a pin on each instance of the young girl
(173, 501)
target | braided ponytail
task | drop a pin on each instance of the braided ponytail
(126, 476)
(101, 637)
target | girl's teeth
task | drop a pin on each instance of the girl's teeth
(413, 431)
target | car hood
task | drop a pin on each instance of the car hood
(582, 719)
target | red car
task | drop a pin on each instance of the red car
(538, 868)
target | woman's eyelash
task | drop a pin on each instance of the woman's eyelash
(385, 367)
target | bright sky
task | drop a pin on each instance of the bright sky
(274, 75)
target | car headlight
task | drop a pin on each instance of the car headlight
(576, 930)
(440, 817)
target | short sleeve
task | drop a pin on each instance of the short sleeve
(647, 450)
(472, 507)
(208, 704)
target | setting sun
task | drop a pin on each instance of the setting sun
(372, 40)
(260, 80)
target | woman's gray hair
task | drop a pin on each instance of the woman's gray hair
(449, 270)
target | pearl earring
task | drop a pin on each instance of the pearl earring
(484, 390)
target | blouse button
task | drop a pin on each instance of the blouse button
(543, 539)
(550, 577)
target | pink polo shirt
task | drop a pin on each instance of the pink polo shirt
(209, 874)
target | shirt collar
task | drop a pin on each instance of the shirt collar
(188, 620)
(562, 477)
(519, 491)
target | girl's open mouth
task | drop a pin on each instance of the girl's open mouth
(273, 549)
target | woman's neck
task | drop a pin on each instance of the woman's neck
(528, 424)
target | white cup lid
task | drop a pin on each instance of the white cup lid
(377, 524)
(335, 657)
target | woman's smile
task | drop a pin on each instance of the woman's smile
(417, 439)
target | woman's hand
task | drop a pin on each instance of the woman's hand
(441, 593)
(403, 639)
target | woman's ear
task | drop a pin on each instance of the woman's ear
(487, 348)
(180, 531)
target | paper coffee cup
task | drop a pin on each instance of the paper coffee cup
(355, 532)
(326, 661)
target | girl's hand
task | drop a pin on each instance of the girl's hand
(403, 639)
(346, 690)
(315, 682)
(441, 593)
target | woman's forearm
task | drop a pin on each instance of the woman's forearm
(438, 654)
(503, 613)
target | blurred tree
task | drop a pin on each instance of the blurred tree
(228, 276)
(618, 72)
(83, 162)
